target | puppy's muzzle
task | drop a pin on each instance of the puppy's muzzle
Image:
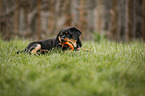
(62, 39)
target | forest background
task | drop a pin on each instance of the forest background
(119, 20)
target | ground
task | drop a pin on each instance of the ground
(109, 69)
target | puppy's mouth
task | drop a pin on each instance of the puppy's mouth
(72, 41)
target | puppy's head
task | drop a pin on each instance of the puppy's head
(70, 34)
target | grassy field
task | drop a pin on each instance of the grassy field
(109, 69)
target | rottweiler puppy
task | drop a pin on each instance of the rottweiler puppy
(69, 34)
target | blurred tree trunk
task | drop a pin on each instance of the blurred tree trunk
(16, 12)
(26, 20)
(0, 6)
(51, 16)
(1, 22)
(143, 17)
(128, 5)
(75, 13)
(114, 21)
(91, 4)
(8, 15)
(82, 18)
(100, 15)
(68, 15)
(134, 19)
(131, 20)
(38, 28)
(107, 17)
(121, 20)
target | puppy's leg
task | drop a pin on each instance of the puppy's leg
(35, 48)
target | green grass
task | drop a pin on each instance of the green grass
(110, 69)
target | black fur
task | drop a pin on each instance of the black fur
(49, 44)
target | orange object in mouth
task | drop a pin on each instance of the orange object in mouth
(69, 44)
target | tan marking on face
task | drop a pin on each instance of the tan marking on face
(59, 38)
(36, 48)
(72, 41)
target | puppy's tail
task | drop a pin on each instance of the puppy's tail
(20, 51)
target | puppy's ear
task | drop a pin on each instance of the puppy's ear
(76, 33)
(58, 36)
